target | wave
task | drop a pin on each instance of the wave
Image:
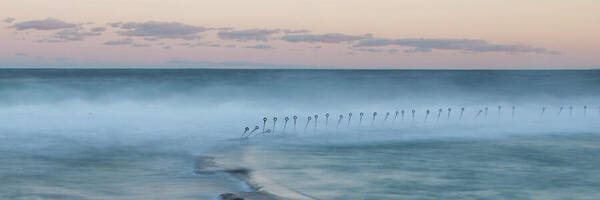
(239, 161)
(193, 111)
(247, 158)
(221, 102)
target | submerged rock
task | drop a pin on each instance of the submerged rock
(205, 165)
(247, 196)
(229, 196)
(202, 162)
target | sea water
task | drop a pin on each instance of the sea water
(140, 133)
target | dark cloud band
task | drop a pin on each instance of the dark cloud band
(248, 35)
(45, 24)
(61, 31)
(324, 38)
(127, 41)
(260, 46)
(8, 20)
(427, 45)
(154, 30)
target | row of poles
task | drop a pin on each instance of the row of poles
(340, 120)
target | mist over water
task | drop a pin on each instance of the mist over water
(88, 134)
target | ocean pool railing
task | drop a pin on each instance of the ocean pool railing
(477, 117)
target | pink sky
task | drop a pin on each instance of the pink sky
(525, 34)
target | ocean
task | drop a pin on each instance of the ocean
(92, 134)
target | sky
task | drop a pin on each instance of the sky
(376, 34)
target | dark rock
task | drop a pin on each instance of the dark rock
(229, 196)
(241, 171)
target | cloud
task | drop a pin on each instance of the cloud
(427, 45)
(20, 54)
(154, 30)
(45, 24)
(288, 31)
(260, 46)
(71, 34)
(248, 35)
(8, 20)
(392, 51)
(368, 50)
(375, 50)
(98, 29)
(50, 41)
(141, 45)
(151, 39)
(66, 31)
(127, 41)
(417, 50)
(115, 24)
(74, 34)
(201, 44)
(324, 38)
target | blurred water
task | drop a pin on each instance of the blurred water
(135, 134)
(531, 167)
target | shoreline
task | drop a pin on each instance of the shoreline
(243, 175)
(259, 185)
(207, 165)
